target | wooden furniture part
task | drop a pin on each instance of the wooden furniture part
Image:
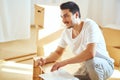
(37, 70)
(39, 15)
(39, 23)
(46, 40)
(112, 38)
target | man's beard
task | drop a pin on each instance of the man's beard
(70, 27)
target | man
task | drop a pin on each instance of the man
(87, 43)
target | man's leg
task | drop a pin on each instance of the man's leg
(82, 73)
(99, 69)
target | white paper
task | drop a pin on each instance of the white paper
(58, 75)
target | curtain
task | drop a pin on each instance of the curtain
(104, 12)
(14, 19)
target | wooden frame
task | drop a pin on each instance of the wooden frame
(39, 14)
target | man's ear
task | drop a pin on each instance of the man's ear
(77, 14)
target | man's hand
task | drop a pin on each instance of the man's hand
(39, 61)
(57, 65)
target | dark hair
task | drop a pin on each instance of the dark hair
(72, 6)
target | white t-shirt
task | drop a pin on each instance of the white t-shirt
(90, 33)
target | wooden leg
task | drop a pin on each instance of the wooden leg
(36, 71)
(40, 50)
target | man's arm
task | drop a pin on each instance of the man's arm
(87, 54)
(51, 58)
(54, 55)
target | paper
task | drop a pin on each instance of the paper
(58, 75)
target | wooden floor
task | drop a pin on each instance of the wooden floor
(18, 47)
(10, 51)
(23, 70)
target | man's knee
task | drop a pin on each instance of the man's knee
(98, 69)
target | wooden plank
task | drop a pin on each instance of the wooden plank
(50, 37)
(21, 56)
(39, 15)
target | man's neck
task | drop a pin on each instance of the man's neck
(77, 29)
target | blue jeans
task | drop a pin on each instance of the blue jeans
(95, 69)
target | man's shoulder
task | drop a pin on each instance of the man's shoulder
(88, 20)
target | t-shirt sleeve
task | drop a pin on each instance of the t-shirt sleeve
(62, 43)
(94, 33)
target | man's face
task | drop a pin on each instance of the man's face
(67, 18)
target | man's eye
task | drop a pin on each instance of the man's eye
(64, 16)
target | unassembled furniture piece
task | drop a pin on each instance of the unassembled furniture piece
(39, 23)
(112, 38)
